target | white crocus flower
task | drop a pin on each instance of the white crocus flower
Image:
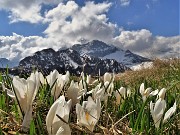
(98, 92)
(169, 113)
(73, 92)
(128, 92)
(109, 87)
(55, 126)
(82, 86)
(119, 94)
(158, 109)
(88, 79)
(88, 114)
(162, 93)
(26, 91)
(42, 79)
(108, 83)
(61, 81)
(51, 78)
(147, 92)
(107, 77)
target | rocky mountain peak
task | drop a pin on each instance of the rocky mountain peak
(69, 59)
(89, 57)
(94, 48)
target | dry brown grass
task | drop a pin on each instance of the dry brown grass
(159, 72)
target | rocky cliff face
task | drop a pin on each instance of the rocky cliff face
(91, 58)
(68, 59)
(102, 50)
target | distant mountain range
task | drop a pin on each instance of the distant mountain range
(102, 50)
(91, 58)
(68, 59)
(4, 63)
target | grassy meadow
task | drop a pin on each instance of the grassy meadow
(131, 115)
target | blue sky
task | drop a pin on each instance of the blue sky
(146, 27)
(161, 17)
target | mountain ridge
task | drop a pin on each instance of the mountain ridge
(89, 57)
(102, 50)
(70, 60)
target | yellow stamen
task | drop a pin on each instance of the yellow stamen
(87, 116)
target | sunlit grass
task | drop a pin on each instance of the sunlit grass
(164, 74)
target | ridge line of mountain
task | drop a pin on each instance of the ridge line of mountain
(90, 58)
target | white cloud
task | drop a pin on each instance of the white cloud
(70, 23)
(125, 2)
(16, 47)
(144, 43)
(147, 6)
(25, 10)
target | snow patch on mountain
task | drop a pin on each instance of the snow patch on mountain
(143, 65)
(117, 55)
(102, 50)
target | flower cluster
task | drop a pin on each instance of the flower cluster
(158, 108)
(85, 96)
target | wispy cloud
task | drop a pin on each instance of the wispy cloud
(147, 6)
(125, 2)
(144, 43)
(25, 10)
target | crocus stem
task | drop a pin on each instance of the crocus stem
(27, 119)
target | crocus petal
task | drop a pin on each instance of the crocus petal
(151, 108)
(122, 91)
(157, 111)
(60, 131)
(147, 91)
(72, 93)
(162, 93)
(141, 90)
(99, 94)
(51, 78)
(50, 116)
(90, 104)
(41, 78)
(170, 112)
(9, 92)
(128, 92)
(159, 105)
(78, 112)
(98, 102)
(118, 97)
(88, 79)
(61, 108)
(153, 93)
(64, 130)
(88, 114)
(109, 87)
(107, 77)
(30, 91)
(19, 87)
